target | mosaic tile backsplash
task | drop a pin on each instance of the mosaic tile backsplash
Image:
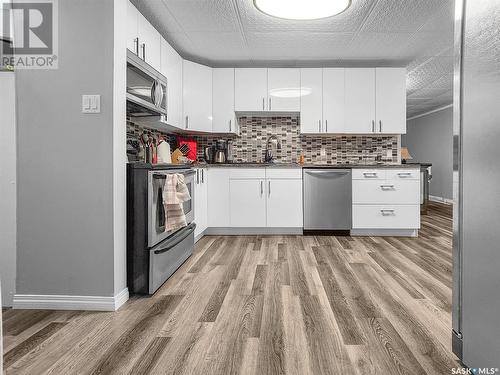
(250, 145)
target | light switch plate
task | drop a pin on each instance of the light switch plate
(91, 103)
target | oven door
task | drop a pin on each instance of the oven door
(157, 231)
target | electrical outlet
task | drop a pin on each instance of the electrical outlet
(91, 103)
(388, 153)
(322, 152)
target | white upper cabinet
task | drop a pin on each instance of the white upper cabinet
(197, 96)
(390, 100)
(334, 100)
(223, 101)
(149, 43)
(132, 28)
(283, 90)
(171, 67)
(360, 100)
(250, 89)
(311, 100)
(142, 37)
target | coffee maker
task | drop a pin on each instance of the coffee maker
(220, 151)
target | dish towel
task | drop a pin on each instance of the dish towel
(174, 195)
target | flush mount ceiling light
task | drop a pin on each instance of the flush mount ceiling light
(302, 9)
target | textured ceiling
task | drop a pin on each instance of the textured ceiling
(417, 34)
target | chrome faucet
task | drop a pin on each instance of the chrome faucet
(272, 145)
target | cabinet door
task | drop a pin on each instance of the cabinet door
(248, 203)
(198, 202)
(360, 100)
(311, 100)
(390, 86)
(250, 89)
(283, 90)
(132, 33)
(334, 100)
(203, 190)
(197, 96)
(150, 43)
(284, 203)
(171, 67)
(218, 193)
(223, 101)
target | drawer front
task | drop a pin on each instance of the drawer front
(369, 174)
(385, 192)
(284, 173)
(403, 174)
(247, 173)
(386, 216)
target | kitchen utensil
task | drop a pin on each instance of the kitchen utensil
(209, 153)
(220, 156)
(184, 148)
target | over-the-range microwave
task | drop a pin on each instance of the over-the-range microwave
(146, 89)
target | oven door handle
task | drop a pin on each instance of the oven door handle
(176, 239)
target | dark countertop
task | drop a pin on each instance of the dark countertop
(275, 165)
(296, 165)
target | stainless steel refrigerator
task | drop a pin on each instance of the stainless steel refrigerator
(476, 221)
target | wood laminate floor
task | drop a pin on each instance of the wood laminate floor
(265, 305)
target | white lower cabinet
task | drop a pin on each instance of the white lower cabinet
(200, 201)
(218, 197)
(386, 199)
(247, 200)
(386, 216)
(284, 203)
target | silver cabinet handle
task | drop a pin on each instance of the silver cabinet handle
(263, 103)
(230, 127)
(404, 174)
(373, 126)
(187, 122)
(143, 46)
(261, 188)
(202, 176)
(387, 212)
(197, 176)
(326, 126)
(380, 125)
(136, 46)
(269, 188)
(319, 126)
(387, 187)
(269, 103)
(370, 174)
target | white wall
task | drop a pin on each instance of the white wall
(430, 139)
(7, 187)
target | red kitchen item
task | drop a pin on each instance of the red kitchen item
(192, 144)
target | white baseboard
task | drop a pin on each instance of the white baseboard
(61, 302)
(244, 231)
(434, 198)
(385, 232)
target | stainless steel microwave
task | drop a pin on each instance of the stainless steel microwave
(146, 89)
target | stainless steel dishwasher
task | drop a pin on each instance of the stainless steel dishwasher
(327, 199)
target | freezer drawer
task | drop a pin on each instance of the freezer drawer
(327, 199)
(386, 216)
